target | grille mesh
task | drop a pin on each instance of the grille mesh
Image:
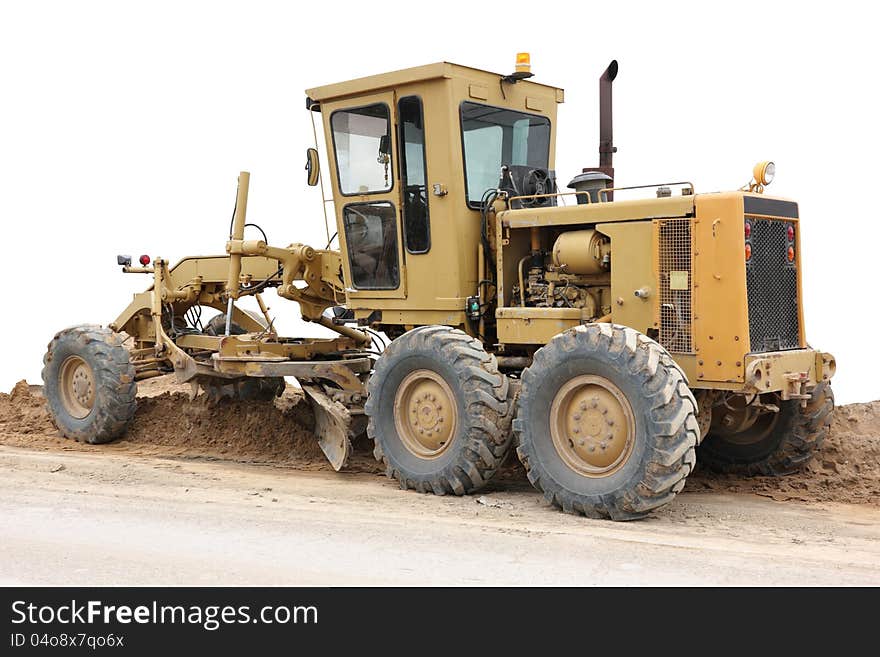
(676, 321)
(771, 281)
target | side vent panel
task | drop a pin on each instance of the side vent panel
(674, 258)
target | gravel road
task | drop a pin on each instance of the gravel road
(92, 518)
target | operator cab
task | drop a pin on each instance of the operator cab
(413, 154)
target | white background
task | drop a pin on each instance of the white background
(123, 126)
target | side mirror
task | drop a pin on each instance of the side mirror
(385, 144)
(313, 166)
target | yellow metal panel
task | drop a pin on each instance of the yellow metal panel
(631, 270)
(534, 325)
(416, 317)
(536, 104)
(478, 91)
(721, 328)
(429, 72)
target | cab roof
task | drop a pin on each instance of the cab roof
(424, 73)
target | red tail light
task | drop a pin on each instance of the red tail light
(790, 233)
(144, 260)
(748, 230)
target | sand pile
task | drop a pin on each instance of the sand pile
(846, 469)
(167, 423)
(24, 411)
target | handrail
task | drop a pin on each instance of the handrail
(603, 193)
(514, 198)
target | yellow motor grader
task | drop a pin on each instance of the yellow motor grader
(606, 332)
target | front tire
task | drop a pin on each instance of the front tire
(776, 443)
(249, 389)
(89, 385)
(606, 425)
(438, 411)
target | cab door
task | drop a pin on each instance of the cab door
(367, 193)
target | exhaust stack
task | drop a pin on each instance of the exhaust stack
(606, 120)
(593, 179)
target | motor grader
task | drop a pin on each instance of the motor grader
(602, 332)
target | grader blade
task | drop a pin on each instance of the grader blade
(332, 424)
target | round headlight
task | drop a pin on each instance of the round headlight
(764, 172)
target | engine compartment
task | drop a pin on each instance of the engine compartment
(574, 272)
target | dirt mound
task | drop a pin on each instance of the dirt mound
(846, 469)
(24, 411)
(167, 423)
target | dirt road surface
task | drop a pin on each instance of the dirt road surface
(84, 519)
(239, 495)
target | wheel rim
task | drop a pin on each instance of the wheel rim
(592, 426)
(77, 387)
(425, 414)
(741, 423)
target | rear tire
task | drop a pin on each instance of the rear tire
(88, 382)
(606, 424)
(439, 412)
(787, 443)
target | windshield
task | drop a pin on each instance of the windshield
(493, 136)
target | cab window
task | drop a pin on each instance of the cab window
(371, 237)
(362, 144)
(416, 228)
(494, 136)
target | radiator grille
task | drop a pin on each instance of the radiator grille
(771, 281)
(676, 285)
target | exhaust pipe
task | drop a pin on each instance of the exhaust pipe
(606, 120)
(593, 179)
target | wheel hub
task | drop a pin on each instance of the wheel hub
(742, 422)
(592, 426)
(77, 387)
(425, 413)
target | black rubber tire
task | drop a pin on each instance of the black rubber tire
(484, 406)
(115, 387)
(790, 445)
(217, 326)
(250, 389)
(664, 412)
